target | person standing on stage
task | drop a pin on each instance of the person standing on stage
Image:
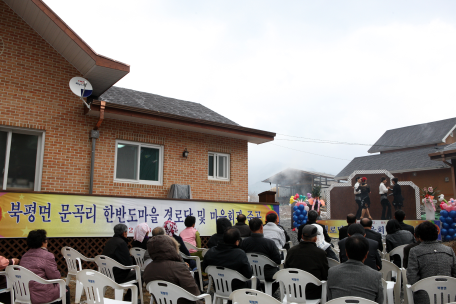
(365, 200)
(386, 215)
(398, 201)
(358, 197)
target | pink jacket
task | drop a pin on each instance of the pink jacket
(188, 235)
(42, 263)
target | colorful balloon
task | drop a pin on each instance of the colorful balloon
(295, 208)
(301, 207)
(295, 218)
(297, 212)
(451, 232)
(452, 214)
(448, 238)
(443, 231)
(444, 213)
(301, 217)
(449, 220)
(304, 212)
(295, 224)
(444, 225)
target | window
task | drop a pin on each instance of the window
(138, 163)
(219, 166)
(21, 159)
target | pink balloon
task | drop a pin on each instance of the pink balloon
(443, 206)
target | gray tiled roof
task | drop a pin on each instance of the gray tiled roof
(400, 161)
(159, 103)
(450, 147)
(414, 136)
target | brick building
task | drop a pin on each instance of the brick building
(45, 128)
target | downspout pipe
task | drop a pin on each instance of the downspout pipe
(94, 135)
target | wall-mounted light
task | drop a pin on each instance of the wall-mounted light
(447, 179)
(414, 173)
(185, 153)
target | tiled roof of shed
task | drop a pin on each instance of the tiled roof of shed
(163, 104)
(414, 136)
(400, 161)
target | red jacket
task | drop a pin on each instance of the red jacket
(42, 263)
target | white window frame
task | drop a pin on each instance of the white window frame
(138, 181)
(228, 165)
(39, 154)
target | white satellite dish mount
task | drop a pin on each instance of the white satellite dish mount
(81, 88)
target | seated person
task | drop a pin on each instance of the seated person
(42, 263)
(222, 224)
(323, 239)
(308, 257)
(410, 246)
(5, 297)
(354, 278)
(396, 237)
(167, 265)
(399, 215)
(117, 249)
(190, 234)
(171, 230)
(373, 260)
(257, 243)
(370, 234)
(140, 238)
(430, 258)
(351, 219)
(242, 226)
(228, 254)
(272, 231)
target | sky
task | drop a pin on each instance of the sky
(343, 71)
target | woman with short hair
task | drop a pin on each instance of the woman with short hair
(41, 262)
(364, 188)
(397, 237)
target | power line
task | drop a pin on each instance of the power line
(310, 152)
(326, 141)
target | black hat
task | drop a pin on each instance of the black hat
(309, 231)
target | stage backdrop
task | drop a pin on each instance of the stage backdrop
(95, 216)
(341, 198)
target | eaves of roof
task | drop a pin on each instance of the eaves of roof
(101, 71)
(146, 116)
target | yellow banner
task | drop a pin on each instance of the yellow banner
(95, 216)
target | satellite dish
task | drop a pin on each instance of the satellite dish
(81, 87)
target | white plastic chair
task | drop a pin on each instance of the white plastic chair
(404, 284)
(293, 283)
(105, 266)
(165, 292)
(73, 260)
(388, 287)
(388, 271)
(190, 246)
(138, 254)
(198, 266)
(7, 289)
(203, 253)
(284, 251)
(223, 277)
(332, 262)
(19, 278)
(95, 283)
(442, 287)
(249, 296)
(350, 300)
(399, 250)
(258, 261)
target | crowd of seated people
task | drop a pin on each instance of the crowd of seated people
(424, 256)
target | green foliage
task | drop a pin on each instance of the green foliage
(316, 191)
